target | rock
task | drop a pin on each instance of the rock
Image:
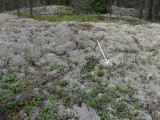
(125, 11)
(72, 23)
(50, 10)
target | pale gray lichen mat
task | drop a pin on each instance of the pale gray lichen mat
(56, 71)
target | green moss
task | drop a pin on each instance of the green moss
(136, 113)
(15, 88)
(57, 66)
(133, 50)
(86, 51)
(11, 104)
(109, 96)
(99, 97)
(122, 110)
(155, 52)
(89, 77)
(131, 66)
(158, 66)
(86, 25)
(63, 83)
(76, 63)
(122, 90)
(100, 73)
(11, 78)
(157, 82)
(47, 108)
(64, 17)
(90, 65)
(93, 102)
(132, 22)
(1, 74)
(37, 100)
(150, 49)
(103, 115)
(138, 107)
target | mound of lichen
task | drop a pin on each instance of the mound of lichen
(56, 71)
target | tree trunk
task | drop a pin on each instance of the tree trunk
(6, 5)
(17, 6)
(18, 11)
(142, 8)
(64, 2)
(41, 1)
(48, 2)
(2, 114)
(76, 7)
(118, 3)
(115, 3)
(146, 8)
(31, 8)
(150, 9)
(155, 10)
(110, 10)
(59, 2)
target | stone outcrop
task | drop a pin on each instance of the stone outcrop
(125, 11)
(47, 10)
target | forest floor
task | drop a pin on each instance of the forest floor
(56, 71)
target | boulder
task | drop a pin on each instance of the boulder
(125, 11)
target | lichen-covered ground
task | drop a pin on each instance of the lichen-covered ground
(47, 10)
(55, 71)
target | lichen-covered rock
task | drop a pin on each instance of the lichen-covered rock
(49, 10)
(125, 11)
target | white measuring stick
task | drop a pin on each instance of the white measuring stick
(107, 61)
